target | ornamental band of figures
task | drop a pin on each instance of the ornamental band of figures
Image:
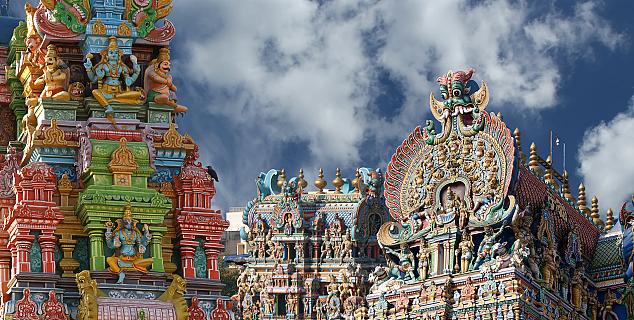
(462, 225)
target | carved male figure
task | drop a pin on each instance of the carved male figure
(158, 82)
(130, 243)
(55, 78)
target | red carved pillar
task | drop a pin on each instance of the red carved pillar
(195, 217)
(23, 245)
(34, 209)
(212, 250)
(187, 248)
(47, 243)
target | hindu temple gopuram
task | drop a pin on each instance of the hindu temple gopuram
(464, 224)
(106, 210)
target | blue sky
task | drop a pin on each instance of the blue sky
(290, 84)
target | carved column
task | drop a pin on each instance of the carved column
(212, 249)
(187, 248)
(97, 258)
(47, 243)
(157, 252)
(68, 263)
(22, 247)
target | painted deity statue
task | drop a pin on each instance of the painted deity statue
(157, 82)
(486, 246)
(55, 78)
(130, 243)
(405, 262)
(108, 72)
(465, 248)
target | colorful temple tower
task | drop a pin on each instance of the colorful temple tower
(310, 253)
(481, 230)
(105, 208)
(477, 229)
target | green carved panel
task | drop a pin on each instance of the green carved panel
(59, 114)
(200, 260)
(159, 117)
(81, 253)
(35, 256)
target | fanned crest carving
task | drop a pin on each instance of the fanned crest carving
(460, 175)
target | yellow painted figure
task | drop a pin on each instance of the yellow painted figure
(130, 243)
(55, 77)
(108, 72)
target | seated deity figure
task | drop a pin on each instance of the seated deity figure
(55, 78)
(157, 82)
(129, 245)
(108, 72)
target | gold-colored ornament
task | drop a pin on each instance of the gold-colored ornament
(320, 183)
(172, 139)
(337, 182)
(301, 182)
(99, 28)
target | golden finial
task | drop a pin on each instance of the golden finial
(596, 218)
(357, 179)
(548, 176)
(281, 178)
(518, 143)
(566, 188)
(581, 199)
(301, 183)
(500, 116)
(337, 182)
(533, 164)
(320, 183)
(609, 220)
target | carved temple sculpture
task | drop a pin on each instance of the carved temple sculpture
(481, 232)
(310, 252)
(106, 209)
(477, 229)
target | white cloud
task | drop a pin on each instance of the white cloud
(280, 73)
(606, 157)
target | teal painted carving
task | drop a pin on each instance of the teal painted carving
(35, 256)
(57, 256)
(159, 117)
(200, 260)
(81, 253)
(50, 114)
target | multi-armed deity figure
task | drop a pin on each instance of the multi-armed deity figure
(158, 84)
(55, 78)
(130, 243)
(108, 72)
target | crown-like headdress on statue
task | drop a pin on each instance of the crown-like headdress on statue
(112, 43)
(164, 55)
(455, 76)
(127, 212)
(51, 51)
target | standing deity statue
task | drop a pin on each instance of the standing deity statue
(55, 78)
(405, 262)
(465, 248)
(157, 82)
(346, 246)
(326, 248)
(577, 287)
(423, 261)
(484, 251)
(108, 72)
(129, 245)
